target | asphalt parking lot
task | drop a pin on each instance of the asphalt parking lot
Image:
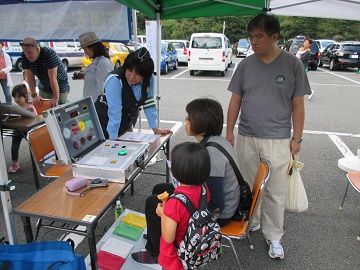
(321, 238)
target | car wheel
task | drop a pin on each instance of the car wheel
(222, 73)
(166, 69)
(176, 65)
(117, 64)
(192, 72)
(332, 65)
(18, 64)
(314, 67)
(65, 64)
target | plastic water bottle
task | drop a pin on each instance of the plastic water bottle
(119, 209)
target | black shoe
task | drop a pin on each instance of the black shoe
(144, 257)
(145, 236)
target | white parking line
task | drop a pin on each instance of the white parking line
(339, 76)
(177, 75)
(341, 146)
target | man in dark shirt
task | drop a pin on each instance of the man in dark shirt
(45, 63)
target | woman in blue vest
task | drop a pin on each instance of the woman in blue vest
(126, 89)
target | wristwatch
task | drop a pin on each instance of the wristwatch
(33, 95)
(299, 140)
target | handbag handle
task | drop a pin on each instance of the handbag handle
(239, 177)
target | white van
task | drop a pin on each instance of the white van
(70, 52)
(208, 51)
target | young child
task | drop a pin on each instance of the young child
(301, 51)
(190, 165)
(21, 97)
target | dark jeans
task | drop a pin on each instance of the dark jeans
(15, 146)
(6, 90)
(153, 221)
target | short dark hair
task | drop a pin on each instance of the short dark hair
(20, 90)
(265, 22)
(99, 50)
(190, 163)
(141, 61)
(310, 40)
(205, 116)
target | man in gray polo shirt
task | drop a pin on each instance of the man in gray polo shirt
(44, 63)
(269, 86)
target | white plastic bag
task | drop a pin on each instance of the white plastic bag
(296, 198)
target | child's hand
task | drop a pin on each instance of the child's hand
(160, 209)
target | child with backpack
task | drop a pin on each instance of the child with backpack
(21, 97)
(191, 167)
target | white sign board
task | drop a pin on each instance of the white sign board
(65, 20)
(151, 41)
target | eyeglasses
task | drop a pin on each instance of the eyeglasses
(22, 44)
(256, 38)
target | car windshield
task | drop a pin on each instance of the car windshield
(324, 44)
(243, 43)
(163, 48)
(178, 45)
(206, 42)
(352, 48)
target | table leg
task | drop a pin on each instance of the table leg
(167, 154)
(36, 176)
(27, 229)
(92, 246)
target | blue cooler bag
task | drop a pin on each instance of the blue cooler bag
(50, 255)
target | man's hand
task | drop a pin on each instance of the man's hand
(294, 147)
(160, 209)
(53, 102)
(36, 101)
(230, 138)
(161, 131)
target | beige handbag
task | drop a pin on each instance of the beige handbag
(296, 198)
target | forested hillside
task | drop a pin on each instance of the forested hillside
(316, 28)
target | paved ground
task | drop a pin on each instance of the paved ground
(321, 238)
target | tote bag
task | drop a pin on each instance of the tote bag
(296, 198)
(52, 255)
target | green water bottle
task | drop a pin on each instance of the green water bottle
(118, 209)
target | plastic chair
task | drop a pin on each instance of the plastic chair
(45, 105)
(354, 180)
(240, 229)
(42, 149)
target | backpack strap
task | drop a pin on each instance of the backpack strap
(239, 177)
(181, 197)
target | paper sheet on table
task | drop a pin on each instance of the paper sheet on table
(117, 247)
(139, 137)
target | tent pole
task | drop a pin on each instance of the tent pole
(158, 50)
(5, 197)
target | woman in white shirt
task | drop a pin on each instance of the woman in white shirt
(5, 68)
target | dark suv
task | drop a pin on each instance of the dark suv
(341, 55)
(292, 46)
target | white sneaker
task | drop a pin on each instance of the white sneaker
(276, 251)
(311, 95)
(254, 228)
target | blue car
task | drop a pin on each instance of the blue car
(169, 57)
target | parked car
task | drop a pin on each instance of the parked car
(323, 43)
(118, 52)
(208, 51)
(181, 47)
(70, 52)
(243, 47)
(169, 57)
(292, 46)
(131, 45)
(341, 55)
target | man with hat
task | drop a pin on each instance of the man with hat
(94, 74)
(45, 63)
(127, 88)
